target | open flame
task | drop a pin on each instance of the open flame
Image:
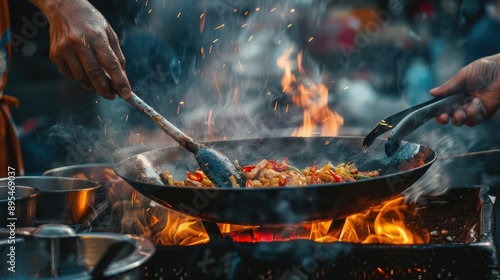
(311, 96)
(384, 224)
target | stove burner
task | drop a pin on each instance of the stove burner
(462, 246)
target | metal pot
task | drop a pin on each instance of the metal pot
(57, 252)
(93, 172)
(113, 187)
(18, 204)
(61, 200)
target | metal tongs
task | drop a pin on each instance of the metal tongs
(406, 121)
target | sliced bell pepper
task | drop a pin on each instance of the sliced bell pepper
(282, 181)
(248, 168)
(197, 176)
(336, 177)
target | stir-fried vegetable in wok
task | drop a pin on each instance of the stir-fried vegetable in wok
(269, 173)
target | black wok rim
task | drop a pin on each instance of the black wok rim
(244, 189)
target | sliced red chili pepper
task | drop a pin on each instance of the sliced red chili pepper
(282, 181)
(279, 166)
(313, 169)
(248, 168)
(336, 177)
(197, 176)
(249, 184)
(272, 162)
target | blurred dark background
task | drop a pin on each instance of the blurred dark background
(420, 46)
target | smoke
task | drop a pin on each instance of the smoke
(215, 62)
(457, 164)
(210, 67)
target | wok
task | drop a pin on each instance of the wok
(277, 205)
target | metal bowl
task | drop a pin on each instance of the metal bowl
(18, 204)
(113, 187)
(76, 256)
(61, 200)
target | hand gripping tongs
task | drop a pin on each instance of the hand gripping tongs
(406, 121)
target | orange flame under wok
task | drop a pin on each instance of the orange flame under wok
(383, 224)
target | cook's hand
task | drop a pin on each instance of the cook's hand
(481, 80)
(83, 45)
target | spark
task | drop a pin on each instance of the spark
(147, 2)
(99, 118)
(220, 26)
(288, 26)
(287, 106)
(224, 65)
(279, 42)
(84, 41)
(178, 109)
(268, 93)
(181, 102)
(210, 49)
(257, 9)
(215, 41)
(326, 119)
(202, 50)
(346, 88)
(209, 120)
(126, 118)
(202, 15)
(112, 142)
(310, 39)
(244, 25)
(150, 10)
(245, 13)
(239, 63)
(235, 10)
(273, 9)
(275, 105)
(292, 10)
(250, 39)
(179, 14)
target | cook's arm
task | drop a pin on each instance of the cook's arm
(481, 81)
(83, 45)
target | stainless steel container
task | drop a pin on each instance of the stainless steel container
(113, 187)
(56, 252)
(18, 205)
(61, 200)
